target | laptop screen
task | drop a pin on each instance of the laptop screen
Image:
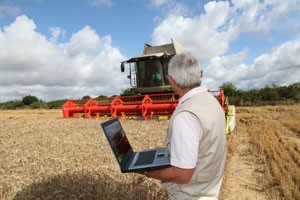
(117, 139)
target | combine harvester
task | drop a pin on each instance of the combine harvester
(148, 75)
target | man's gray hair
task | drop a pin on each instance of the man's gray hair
(185, 70)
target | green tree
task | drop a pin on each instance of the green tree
(56, 103)
(11, 105)
(39, 105)
(129, 92)
(294, 91)
(101, 96)
(86, 97)
(229, 89)
(28, 100)
(231, 93)
(269, 94)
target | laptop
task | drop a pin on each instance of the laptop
(129, 160)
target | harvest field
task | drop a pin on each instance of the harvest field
(44, 156)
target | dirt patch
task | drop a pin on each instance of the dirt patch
(240, 180)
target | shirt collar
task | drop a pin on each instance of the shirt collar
(192, 92)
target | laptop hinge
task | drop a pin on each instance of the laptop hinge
(127, 159)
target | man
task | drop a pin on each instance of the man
(196, 137)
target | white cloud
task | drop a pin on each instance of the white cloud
(209, 36)
(85, 41)
(56, 33)
(198, 34)
(225, 68)
(177, 9)
(32, 64)
(281, 66)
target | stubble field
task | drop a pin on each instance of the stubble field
(44, 156)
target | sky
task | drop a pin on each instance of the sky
(63, 49)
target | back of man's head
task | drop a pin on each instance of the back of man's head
(185, 70)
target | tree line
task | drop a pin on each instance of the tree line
(269, 95)
(31, 102)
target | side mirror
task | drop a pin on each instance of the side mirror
(122, 67)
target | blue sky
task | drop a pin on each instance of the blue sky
(68, 49)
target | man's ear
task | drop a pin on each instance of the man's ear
(170, 79)
(173, 83)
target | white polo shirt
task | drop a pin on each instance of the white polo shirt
(186, 135)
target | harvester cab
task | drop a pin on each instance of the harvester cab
(148, 72)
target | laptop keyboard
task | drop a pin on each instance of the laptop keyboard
(145, 158)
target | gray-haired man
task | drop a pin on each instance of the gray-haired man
(196, 137)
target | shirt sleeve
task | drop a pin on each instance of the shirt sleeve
(186, 135)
